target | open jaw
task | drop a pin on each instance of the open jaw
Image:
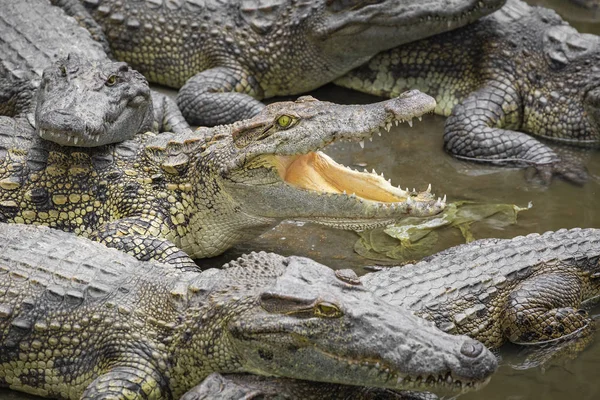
(318, 174)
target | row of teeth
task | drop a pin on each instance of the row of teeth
(74, 139)
(387, 126)
(430, 380)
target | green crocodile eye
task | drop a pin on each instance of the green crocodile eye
(285, 121)
(111, 80)
(63, 70)
(327, 310)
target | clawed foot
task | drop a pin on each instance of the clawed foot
(569, 170)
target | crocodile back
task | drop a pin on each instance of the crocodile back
(473, 268)
(67, 305)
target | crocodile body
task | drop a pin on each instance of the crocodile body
(227, 55)
(521, 69)
(525, 290)
(78, 320)
(204, 191)
(87, 99)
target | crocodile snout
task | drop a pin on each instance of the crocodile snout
(471, 348)
(476, 362)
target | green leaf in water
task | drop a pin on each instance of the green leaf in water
(413, 238)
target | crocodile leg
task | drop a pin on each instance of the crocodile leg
(168, 114)
(75, 9)
(473, 133)
(133, 236)
(126, 383)
(545, 308)
(219, 96)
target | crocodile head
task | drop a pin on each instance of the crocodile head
(255, 173)
(312, 323)
(563, 102)
(359, 28)
(86, 104)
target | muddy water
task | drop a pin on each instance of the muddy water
(413, 157)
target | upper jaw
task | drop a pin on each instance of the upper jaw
(70, 138)
(421, 16)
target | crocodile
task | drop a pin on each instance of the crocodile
(79, 320)
(227, 55)
(88, 100)
(170, 195)
(520, 71)
(526, 290)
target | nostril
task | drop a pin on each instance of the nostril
(471, 348)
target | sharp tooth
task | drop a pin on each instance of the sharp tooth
(75, 139)
(390, 180)
(410, 122)
(68, 138)
(365, 170)
(414, 190)
(444, 199)
(373, 171)
(371, 139)
(429, 188)
(379, 133)
(362, 144)
(397, 122)
(449, 24)
(388, 126)
(420, 118)
(98, 138)
(345, 192)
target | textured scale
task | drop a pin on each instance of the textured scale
(79, 320)
(169, 197)
(519, 70)
(227, 55)
(478, 288)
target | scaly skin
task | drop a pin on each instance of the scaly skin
(524, 290)
(521, 69)
(83, 98)
(227, 55)
(204, 191)
(79, 320)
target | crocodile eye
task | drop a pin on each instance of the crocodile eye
(111, 80)
(63, 70)
(285, 121)
(327, 310)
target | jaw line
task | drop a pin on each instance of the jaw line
(443, 382)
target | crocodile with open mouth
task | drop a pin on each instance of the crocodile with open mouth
(162, 196)
(227, 55)
(79, 320)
